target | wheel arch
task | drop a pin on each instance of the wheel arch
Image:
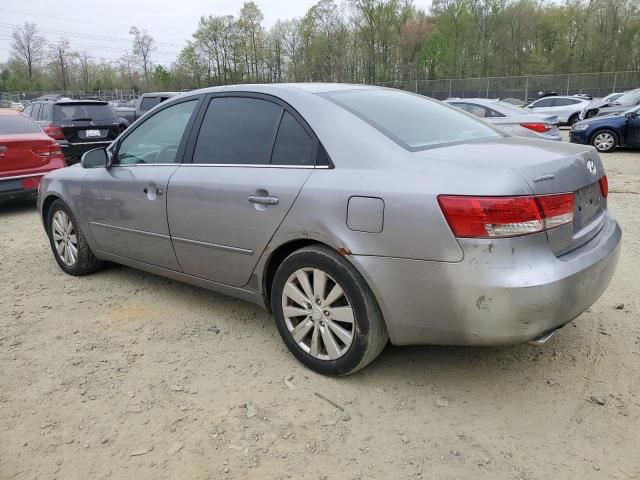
(46, 206)
(282, 251)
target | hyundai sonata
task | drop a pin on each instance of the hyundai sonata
(355, 214)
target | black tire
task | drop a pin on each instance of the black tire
(86, 262)
(573, 119)
(599, 146)
(369, 330)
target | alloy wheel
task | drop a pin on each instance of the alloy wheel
(318, 314)
(64, 238)
(604, 141)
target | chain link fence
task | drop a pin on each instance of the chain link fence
(527, 87)
(107, 95)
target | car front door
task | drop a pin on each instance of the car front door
(632, 133)
(126, 202)
(250, 159)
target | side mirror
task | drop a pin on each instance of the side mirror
(96, 158)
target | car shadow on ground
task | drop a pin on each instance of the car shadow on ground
(506, 366)
(17, 206)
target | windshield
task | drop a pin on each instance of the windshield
(629, 98)
(413, 121)
(10, 124)
(83, 111)
(633, 110)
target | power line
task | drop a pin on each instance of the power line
(86, 35)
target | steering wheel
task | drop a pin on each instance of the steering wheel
(165, 152)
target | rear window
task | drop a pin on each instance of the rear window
(629, 98)
(413, 121)
(83, 111)
(11, 124)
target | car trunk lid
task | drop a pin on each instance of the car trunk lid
(547, 168)
(17, 152)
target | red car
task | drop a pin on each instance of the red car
(26, 154)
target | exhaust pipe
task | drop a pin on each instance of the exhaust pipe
(542, 339)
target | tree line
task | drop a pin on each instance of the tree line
(360, 41)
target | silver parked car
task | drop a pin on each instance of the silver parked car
(510, 119)
(355, 214)
(566, 108)
(611, 104)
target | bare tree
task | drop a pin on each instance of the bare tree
(85, 63)
(61, 56)
(28, 46)
(143, 45)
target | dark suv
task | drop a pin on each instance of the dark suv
(77, 125)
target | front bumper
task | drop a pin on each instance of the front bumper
(503, 292)
(579, 137)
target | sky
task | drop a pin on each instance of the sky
(102, 28)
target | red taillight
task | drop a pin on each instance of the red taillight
(48, 150)
(490, 217)
(604, 186)
(54, 132)
(537, 127)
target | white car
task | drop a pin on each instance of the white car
(566, 108)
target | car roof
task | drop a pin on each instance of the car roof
(275, 88)
(154, 94)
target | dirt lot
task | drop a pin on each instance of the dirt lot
(123, 374)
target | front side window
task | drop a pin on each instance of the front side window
(156, 140)
(148, 103)
(413, 121)
(237, 130)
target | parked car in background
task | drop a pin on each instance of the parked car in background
(77, 125)
(510, 119)
(5, 103)
(566, 108)
(608, 106)
(609, 132)
(355, 214)
(26, 155)
(145, 102)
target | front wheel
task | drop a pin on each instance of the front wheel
(605, 141)
(326, 313)
(69, 247)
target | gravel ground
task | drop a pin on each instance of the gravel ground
(123, 374)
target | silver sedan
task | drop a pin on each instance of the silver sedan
(357, 215)
(511, 119)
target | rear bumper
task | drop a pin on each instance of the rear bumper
(503, 292)
(73, 151)
(22, 186)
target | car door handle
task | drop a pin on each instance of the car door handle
(268, 200)
(159, 191)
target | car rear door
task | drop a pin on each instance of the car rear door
(250, 159)
(126, 203)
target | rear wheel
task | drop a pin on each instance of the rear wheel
(604, 140)
(326, 313)
(69, 247)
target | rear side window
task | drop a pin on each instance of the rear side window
(36, 111)
(562, 102)
(46, 113)
(293, 144)
(237, 130)
(12, 124)
(545, 102)
(83, 111)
